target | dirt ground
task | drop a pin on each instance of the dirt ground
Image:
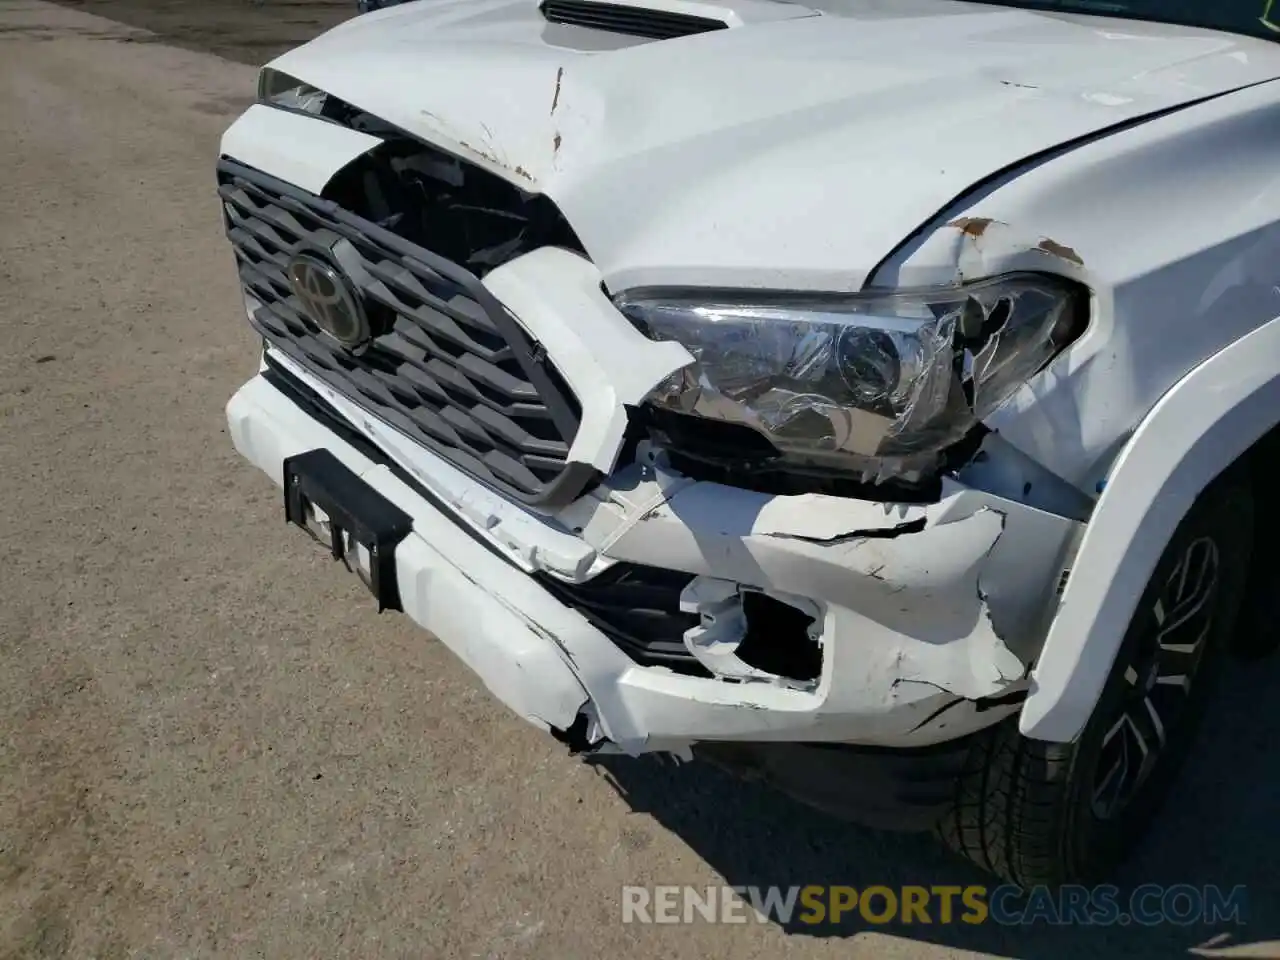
(211, 746)
(249, 31)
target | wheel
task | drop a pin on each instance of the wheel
(1044, 813)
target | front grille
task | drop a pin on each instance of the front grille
(449, 366)
(632, 21)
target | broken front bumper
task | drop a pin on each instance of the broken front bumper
(922, 619)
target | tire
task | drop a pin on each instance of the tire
(1045, 813)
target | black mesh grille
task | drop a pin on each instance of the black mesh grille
(448, 366)
(638, 608)
(632, 21)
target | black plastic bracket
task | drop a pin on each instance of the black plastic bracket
(319, 479)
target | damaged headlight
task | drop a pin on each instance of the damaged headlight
(878, 384)
(278, 89)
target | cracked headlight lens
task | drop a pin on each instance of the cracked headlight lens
(879, 384)
(278, 89)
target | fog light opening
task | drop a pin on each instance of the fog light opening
(778, 639)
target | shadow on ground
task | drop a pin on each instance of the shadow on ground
(1218, 828)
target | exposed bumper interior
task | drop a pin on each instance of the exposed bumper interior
(914, 628)
(634, 594)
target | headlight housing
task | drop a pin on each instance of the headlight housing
(278, 89)
(875, 384)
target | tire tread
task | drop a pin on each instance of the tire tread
(1008, 805)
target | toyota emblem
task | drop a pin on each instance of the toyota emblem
(328, 300)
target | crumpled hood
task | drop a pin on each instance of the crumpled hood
(794, 152)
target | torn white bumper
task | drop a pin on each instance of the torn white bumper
(926, 616)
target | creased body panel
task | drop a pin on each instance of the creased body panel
(793, 154)
(1203, 425)
(1176, 235)
(914, 623)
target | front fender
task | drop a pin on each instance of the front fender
(1203, 424)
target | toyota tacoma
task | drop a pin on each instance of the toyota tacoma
(876, 399)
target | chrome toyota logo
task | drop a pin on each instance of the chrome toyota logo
(328, 300)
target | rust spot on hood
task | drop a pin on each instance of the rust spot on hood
(972, 226)
(1055, 249)
(1011, 242)
(555, 99)
(518, 171)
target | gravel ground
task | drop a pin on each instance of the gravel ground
(209, 744)
(249, 31)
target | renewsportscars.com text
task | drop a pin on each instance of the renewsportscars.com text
(1146, 905)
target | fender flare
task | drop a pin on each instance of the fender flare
(1200, 427)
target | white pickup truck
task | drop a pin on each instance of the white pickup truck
(877, 398)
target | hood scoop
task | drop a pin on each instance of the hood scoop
(632, 21)
(667, 19)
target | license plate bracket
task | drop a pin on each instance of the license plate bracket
(354, 516)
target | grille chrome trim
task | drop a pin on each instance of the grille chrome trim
(451, 368)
